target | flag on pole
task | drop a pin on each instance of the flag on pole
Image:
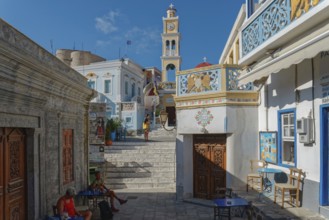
(128, 42)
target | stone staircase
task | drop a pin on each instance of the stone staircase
(136, 164)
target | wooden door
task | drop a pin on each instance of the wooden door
(209, 164)
(171, 116)
(13, 180)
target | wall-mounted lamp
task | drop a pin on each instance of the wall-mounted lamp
(163, 120)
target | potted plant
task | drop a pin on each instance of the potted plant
(116, 124)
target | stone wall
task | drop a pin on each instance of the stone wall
(41, 94)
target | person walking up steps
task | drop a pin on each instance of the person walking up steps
(146, 127)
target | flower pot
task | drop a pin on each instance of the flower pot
(108, 142)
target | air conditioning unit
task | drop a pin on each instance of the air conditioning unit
(305, 130)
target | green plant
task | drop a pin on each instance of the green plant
(117, 122)
(109, 128)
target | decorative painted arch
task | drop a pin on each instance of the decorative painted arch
(91, 75)
(170, 66)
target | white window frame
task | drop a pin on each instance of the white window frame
(92, 82)
(109, 83)
(287, 147)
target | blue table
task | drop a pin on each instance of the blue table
(94, 195)
(266, 181)
(228, 203)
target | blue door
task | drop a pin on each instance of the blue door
(324, 155)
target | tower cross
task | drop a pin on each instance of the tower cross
(171, 6)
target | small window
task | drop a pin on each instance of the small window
(287, 143)
(126, 87)
(133, 90)
(91, 84)
(139, 91)
(128, 120)
(107, 86)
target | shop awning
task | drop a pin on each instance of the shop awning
(304, 51)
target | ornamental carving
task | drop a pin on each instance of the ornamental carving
(15, 185)
(14, 213)
(14, 160)
(278, 15)
(219, 157)
(298, 7)
(200, 82)
(204, 117)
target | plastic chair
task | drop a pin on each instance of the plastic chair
(295, 179)
(255, 179)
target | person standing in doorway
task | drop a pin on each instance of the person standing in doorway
(146, 127)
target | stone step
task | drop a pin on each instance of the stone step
(167, 145)
(138, 180)
(136, 164)
(139, 164)
(170, 174)
(141, 151)
(141, 159)
(169, 184)
(171, 168)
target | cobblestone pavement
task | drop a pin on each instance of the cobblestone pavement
(161, 204)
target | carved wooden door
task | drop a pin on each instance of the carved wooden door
(209, 164)
(13, 175)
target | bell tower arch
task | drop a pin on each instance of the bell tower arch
(170, 59)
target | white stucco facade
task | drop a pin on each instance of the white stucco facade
(291, 71)
(120, 85)
(239, 124)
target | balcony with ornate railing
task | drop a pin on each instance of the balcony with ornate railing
(211, 86)
(166, 86)
(277, 22)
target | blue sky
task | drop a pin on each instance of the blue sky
(104, 26)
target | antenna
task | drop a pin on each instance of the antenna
(51, 47)
(128, 43)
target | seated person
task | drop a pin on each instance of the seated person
(66, 207)
(99, 185)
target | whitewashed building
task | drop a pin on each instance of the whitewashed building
(215, 119)
(119, 84)
(284, 47)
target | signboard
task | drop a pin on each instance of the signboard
(324, 75)
(96, 153)
(324, 67)
(268, 146)
(128, 106)
(97, 113)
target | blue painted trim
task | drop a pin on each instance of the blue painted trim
(324, 111)
(280, 112)
(250, 8)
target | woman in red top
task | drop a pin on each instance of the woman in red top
(66, 206)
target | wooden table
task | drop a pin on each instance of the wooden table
(227, 203)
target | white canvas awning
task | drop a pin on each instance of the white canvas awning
(306, 50)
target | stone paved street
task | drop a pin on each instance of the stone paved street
(162, 204)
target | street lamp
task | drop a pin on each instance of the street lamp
(163, 120)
